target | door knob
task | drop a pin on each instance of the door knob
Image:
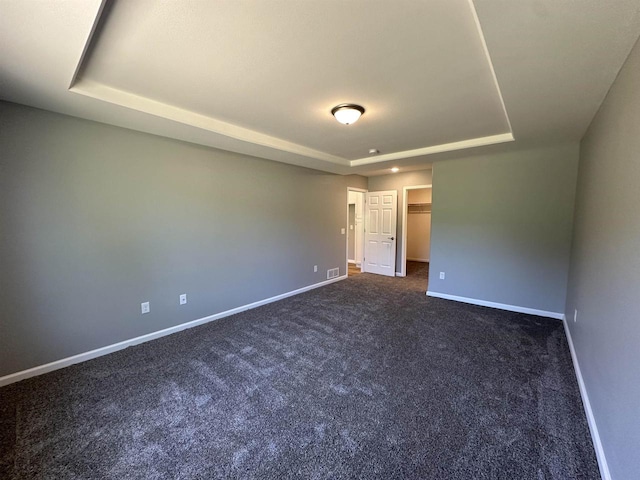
(390, 238)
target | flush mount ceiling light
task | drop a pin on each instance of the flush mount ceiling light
(347, 113)
(395, 169)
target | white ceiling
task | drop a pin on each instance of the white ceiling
(261, 77)
(278, 67)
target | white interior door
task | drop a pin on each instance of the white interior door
(381, 213)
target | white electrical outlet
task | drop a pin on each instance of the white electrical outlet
(183, 299)
(145, 308)
(441, 275)
(342, 231)
(575, 315)
(315, 268)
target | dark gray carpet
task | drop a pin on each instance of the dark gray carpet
(365, 378)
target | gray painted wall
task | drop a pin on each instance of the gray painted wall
(397, 181)
(501, 226)
(95, 220)
(604, 283)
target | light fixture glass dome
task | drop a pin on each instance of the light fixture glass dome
(347, 113)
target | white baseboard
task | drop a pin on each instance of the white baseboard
(82, 357)
(593, 428)
(400, 274)
(351, 261)
(423, 260)
(501, 306)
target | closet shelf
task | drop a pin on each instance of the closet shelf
(419, 208)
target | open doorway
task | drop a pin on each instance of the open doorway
(355, 230)
(416, 231)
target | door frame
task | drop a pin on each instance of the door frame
(346, 243)
(405, 197)
(369, 267)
